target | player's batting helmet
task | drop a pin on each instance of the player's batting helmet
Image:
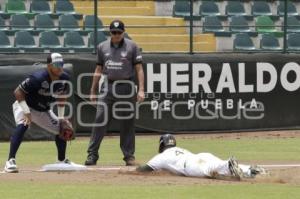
(166, 141)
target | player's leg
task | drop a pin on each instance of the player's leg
(103, 117)
(207, 165)
(50, 122)
(16, 138)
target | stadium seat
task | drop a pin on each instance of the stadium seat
(264, 24)
(291, 8)
(212, 24)
(293, 24)
(88, 23)
(68, 22)
(49, 39)
(44, 22)
(73, 40)
(20, 22)
(261, 8)
(24, 39)
(235, 8)
(243, 42)
(100, 37)
(16, 6)
(64, 7)
(4, 40)
(40, 7)
(2, 24)
(181, 8)
(269, 42)
(293, 41)
(239, 24)
(208, 8)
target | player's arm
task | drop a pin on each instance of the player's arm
(61, 107)
(144, 168)
(20, 94)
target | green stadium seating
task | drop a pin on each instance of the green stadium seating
(24, 39)
(15, 6)
(261, 8)
(239, 24)
(212, 24)
(269, 42)
(293, 42)
(181, 8)
(40, 7)
(20, 22)
(4, 40)
(264, 24)
(49, 39)
(291, 8)
(235, 8)
(293, 24)
(68, 22)
(44, 22)
(64, 7)
(100, 38)
(73, 40)
(208, 8)
(243, 42)
(88, 23)
(2, 24)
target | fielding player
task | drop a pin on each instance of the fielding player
(119, 61)
(182, 162)
(33, 99)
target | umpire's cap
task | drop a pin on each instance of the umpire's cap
(166, 141)
(117, 25)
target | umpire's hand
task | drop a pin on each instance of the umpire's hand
(140, 96)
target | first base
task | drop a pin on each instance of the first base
(63, 167)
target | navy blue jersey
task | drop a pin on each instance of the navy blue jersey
(37, 89)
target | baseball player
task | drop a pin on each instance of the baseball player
(182, 162)
(33, 98)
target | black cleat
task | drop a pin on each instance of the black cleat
(90, 162)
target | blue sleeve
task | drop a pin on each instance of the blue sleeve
(29, 85)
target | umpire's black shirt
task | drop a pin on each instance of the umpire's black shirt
(118, 61)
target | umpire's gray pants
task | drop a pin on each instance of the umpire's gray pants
(104, 115)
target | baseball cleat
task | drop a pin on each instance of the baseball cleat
(11, 166)
(90, 162)
(234, 168)
(131, 162)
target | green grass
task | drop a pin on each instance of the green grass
(56, 191)
(39, 153)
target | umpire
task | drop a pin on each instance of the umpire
(119, 61)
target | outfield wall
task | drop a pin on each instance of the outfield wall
(183, 92)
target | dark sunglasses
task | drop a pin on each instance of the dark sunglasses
(116, 32)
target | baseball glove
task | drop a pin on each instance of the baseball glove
(65, 130)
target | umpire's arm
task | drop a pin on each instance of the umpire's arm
(140, 77)
(95, 83)
(97, 74)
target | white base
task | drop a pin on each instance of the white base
(63, 167)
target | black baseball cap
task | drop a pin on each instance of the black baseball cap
(117, 25)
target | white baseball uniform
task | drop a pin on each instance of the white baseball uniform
(183, 162)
